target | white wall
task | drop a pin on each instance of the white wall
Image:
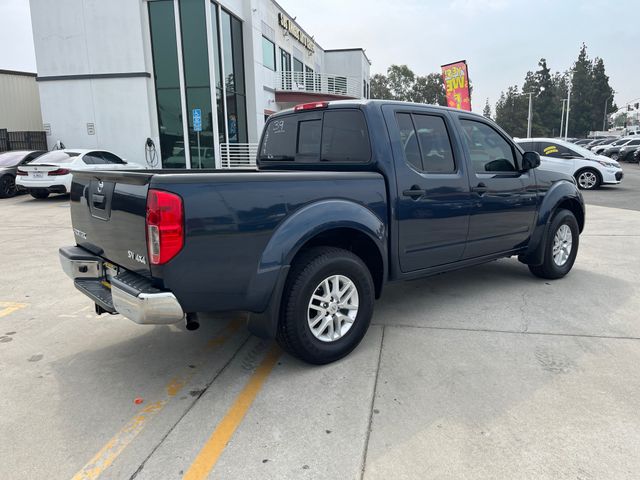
(350, 63)
(89, 37)
(19, 103)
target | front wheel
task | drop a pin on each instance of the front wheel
(561, 247)
(327, 305)
(588, 179)
(614, 156)
(7, 186)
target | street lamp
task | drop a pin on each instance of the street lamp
(530, 116)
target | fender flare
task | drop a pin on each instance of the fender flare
(287, 240)
(558, 193)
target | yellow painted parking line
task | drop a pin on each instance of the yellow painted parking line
(116, 445)
(215, 445)
(9, 307)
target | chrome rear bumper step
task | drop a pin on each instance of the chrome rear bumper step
(129, 294)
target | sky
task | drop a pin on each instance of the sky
(500, 39)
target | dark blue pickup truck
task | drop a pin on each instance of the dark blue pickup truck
(347, 196)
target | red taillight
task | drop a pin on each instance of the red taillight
(59, 171)
(21, 173)
(310, 106)
(165, 226)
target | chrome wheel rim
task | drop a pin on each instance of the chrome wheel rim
(333, 308)
(562, 243)
(587, 180)
(614, 156)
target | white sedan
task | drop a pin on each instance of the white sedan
(53, 171)
(589, 169)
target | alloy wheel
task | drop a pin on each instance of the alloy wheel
(562, 242)
(333, 308)
(587, 180)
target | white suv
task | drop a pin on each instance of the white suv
(589, 169)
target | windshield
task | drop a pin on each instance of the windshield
(11, 159)
(57, 156)
(620, 142)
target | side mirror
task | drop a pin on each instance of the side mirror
(530, 160)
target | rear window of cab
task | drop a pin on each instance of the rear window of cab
(333, 136)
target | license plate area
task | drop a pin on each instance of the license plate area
(37, 174)
(109, 271)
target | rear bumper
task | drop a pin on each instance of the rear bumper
(57, 184)
(129, 294)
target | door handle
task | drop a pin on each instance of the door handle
(481, 188)
(414, 192)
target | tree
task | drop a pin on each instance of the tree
(429, 89)
(400, 79)
(400, 83)
(602, 94)
(380, 87)
(487, 109)
(581, 113)
(511, 112)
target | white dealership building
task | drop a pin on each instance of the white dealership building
(194, 73)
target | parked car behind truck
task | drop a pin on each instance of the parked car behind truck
(348, 196)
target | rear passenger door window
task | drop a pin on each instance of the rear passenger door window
(488, 150)
(111, 158)
(555, 150)
(435, 145)
(425, 142)
(93, 158)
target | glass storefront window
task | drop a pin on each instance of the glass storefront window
(268, 53)
(164, 51)
(196, 75)
(230, 96)
(233, 61)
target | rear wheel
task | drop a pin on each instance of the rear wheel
(7, 186)
(561, 247)
(327, 305)
(39, 194)
(588, 179)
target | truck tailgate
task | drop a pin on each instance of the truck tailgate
(108, 212)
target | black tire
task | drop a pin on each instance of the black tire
(584, 173)
(549, 268)
(309, 270)
(7, 186)
(39, 194)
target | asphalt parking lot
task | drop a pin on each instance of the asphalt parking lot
(482, 373)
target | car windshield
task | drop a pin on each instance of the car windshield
(620, 142)
(57, 156)
(11, 159)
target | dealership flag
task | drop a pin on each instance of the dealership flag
(456, 81)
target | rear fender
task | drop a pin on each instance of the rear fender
(290, 236)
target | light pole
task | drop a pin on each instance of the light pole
(566, 125)
(530, 115)
(564, 101)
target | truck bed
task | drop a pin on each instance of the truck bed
(230, 219)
